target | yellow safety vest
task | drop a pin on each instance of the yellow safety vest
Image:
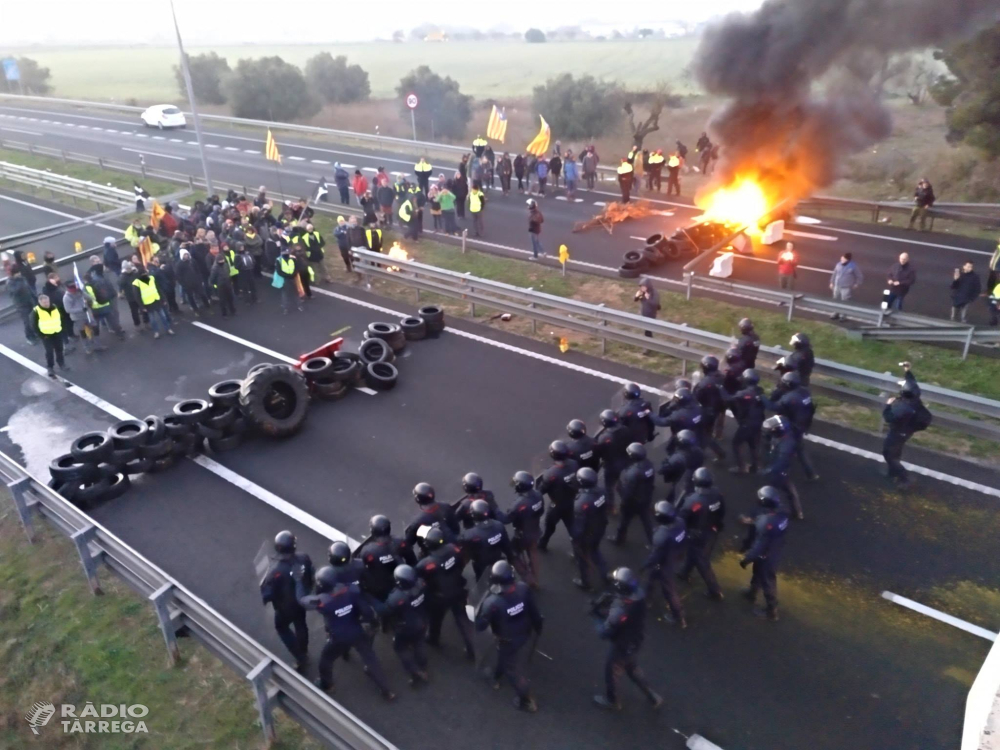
(95, 305)
(476, 201)
(656, 159)
(996, 292)
(674, 162)
(288, 266)
(49, 321)
(625, 168)
(147, 291)
(406, 210)
(377, 233)
(421, 166)
(479, 142)
(132, 235)
(231, 257)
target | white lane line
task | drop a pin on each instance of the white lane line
(347, 166)
(47, 121)
(177, 140)
(367, 169)
(296, 158)
(57, 213)
(561, 198)
(319, 161)
(32, 119)
(278, 503)
(18, 130)
(192, 143)
(211, 145)
(127, 132)
(907, 241)
(774, 263)
(923, 609)
(250, 151)
(110, 130)
(806, 220)
(94, 127)
(811, 236)
(73, 125)
(600, 203)
(249, 344)
(153, 153)
(230, 148)
(365, 389)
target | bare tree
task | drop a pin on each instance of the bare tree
(662, 96)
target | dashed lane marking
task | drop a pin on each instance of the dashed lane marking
(230, 148)
(211, 145)
(297, 158)
(319, 161)
(811, 236)
(340, 332)
(250, 151)
(944, 617)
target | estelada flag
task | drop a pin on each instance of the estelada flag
(497, 126)
(155, 214)
(271, 148)
(540, 146)
(145, 250)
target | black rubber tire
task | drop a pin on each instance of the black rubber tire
(257, 368)
(68, 468)
(121, 457)
(162, 464)
(341, 371)
(329, 389)
(185, 444)
(220, 417)
(129, 433)
(629, 273)
(275, 400)
(344, 354)
(89, 492)
(431, 313)
(316, 367)
(226, 392)
(671, 251)
(157, 429)
(157, 450)
(414, 329)
(117, 486)
(209, 433)
(138, 466)
(436, 327)
(632, 256)
(240, 426)
(175, 426)
(375, 350)
(652, 256)
(390, 333)
(227, 443)
(192, 411)
(381, 376)
(108, 469)
(92, 447)
(67, 490)
(654, 240)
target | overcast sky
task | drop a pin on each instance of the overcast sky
(207, 22)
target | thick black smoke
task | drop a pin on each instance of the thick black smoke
(774, 124)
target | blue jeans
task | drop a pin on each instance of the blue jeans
(159, 318)
(536, 245)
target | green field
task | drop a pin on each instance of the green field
(483, 69)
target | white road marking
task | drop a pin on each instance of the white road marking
(250, 151)
(252, 488)
(806, 220)
(153, 153)
(18, 130)
(230, 148)
(561, 198)
(811, 236)
(347, 166)
(600, 203)
(908, 241)
(124, 132)
(137, 135)
(46, 121)
(110, 130)
(211, 145)
(177, 140)
(319, 161)
(923, 609)
(249, 344)
(159, 138)
(365, 389)
(94, 127)
(367, 169)
(297, 158)
(57, 213)
(192, 143)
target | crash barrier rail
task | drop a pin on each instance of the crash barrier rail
(57, 183)
(180, 613)
(987, 218)
(676, 340)
(984, 692)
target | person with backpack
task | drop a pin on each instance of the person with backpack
(105, 295)
(905, 415)
(245, 283)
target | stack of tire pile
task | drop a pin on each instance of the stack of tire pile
(657, 251)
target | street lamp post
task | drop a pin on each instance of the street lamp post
(194, 107)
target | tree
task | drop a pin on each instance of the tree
(534, 36)
(208, 76)
(578, 108)
(661, 97)
(643, 33)
(973, 91)
(399, 35)
(34, 78)
(269, 88)
(444, 110)
(335, 81)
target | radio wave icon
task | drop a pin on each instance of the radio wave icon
(39, 714)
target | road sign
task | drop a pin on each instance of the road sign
(412, 101)
(12, 73)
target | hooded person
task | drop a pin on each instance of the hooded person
(112, 261)
(77, 303)
(649, 300)
(190, 281)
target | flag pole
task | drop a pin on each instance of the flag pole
(191, 101)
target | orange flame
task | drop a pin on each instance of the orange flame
(397, 253)
(741, 203)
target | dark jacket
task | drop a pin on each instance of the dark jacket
(924, 196)
(649, 305)
(21, 294)
(187, 274)
(535, 220)
(906, 275)
(111, 258)
(965, 289)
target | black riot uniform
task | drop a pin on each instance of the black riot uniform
(801, 360)
(525, 516)
(732, 376)
(277, 588)
(582, 447)
(762, 548)
(346, 569)
(704, 512)
(590, 521)
(781, 447)
(710, 393)
(748, 343)
(624, 627)
(681, 413)
(406, 614)
(678, 467)
(486, 541)
(665, 552)
(345, 613)
(442, 570)
(748, 406)
(903, 415)
(612, 446)
(634, 415)
(432, 513)
(472, 484)
(559, 483)
(380, 554)
(793, 401)
(636, 485)
(511, 614)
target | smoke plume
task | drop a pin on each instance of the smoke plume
(775, 125)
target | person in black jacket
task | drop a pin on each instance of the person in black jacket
(923, 199)
(748, 343)
(525, 515)
(442, 569)
(748, 406)
(190, 282)
(559, 483)
(965, 288)
(904, 415)
(704, 512)
(277, 588)
(665, 552)
(590, 521)
(406, 614)
(636, 484)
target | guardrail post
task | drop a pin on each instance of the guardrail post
(82, 539)
(791, 306)
(161, 603)
(465, 236)
(258, 677)
(100, 162)
(191, 182)
(534, 322)
(63, 153)
(604, 341)
(18, 489)
(968, 342)
(688, 277)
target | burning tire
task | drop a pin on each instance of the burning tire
(275, 399)
(670, 251)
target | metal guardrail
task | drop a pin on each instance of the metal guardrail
(877, 208)
(676, 340)
(56, 183)
(275, 684)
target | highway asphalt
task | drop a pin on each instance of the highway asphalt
(236, 157)
(843, 668)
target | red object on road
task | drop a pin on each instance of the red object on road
(327, 350)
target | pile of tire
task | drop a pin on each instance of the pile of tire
(657, 251)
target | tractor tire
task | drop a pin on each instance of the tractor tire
(275, 400)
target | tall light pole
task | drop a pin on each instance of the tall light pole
(194, 107)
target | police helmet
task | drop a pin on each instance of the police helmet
(664, 512)
(702, 477)
(472, 483)
(501, 573)
(379, 526)
(687, 438)
(750, 376)
(799, 341)
(776, 424)
(586, 477)
(682, 383)
(636, 451)
(522, 481)
(683, 396)
(479, 510)
(423, 493)
(558, 450)
(791, 379)
(624, 581)
(576, 429)
(340, 554)
(326, 579)
(709, 364)
(733, 355)
(769, 497)
(284, 543)
(405, 576)
(746, 325)
(434, 538)
(631, 390)
(608, 418)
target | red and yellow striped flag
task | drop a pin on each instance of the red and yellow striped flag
(271, 148)
(155, 214)
(540, 146)
(145, 250)
(496, 128)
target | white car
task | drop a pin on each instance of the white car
(163, 116)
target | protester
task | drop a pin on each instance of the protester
(535, 220)
(360, 185)
(845, 278)
(386, 197)
(284, 279)
(55, 291)
(788, 265)
(965, 288)
(152, 303)
(649, 301)
(477, 204)
(542, 170)
(446, 199)
(191, 284)
(77, 304)
(435, 204)
(47, 323)
(902, 277)
(923, 199)
(221, 280)
(555, 167)
(674, 164)
(105, 294)
(589, 165)
(340, 233)
(571, 173)
(246, 284)
(24, 299)
(26, 271)
(506, 170)
(460, 187)
(343, 182)
(370, 207)
(519, 172)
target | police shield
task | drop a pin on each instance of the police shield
(482, 640)
(261, 565)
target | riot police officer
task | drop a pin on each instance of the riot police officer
(380, 554)
(559, 483)
(590, 521)
(472, 485)
(678, 467)
(486, 541)
(904, 414)
(625, 626)
(781, 446)
(525, 515)
(406, 614)
(801, 360)
(681, 413)
(612, 445)
(442, 570)
(277, 588)
(709, 392)
(432, 513)
(512, 615)
(634, 414)
(703, 511)
(345, 613)
(636, 485)
(345, 567)
(748, 406)
(732, 377)
(762, 548)
(748, 343)
(793, 401)
(582, 447)
(668, 543)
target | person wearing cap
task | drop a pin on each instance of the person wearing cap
(342, 180)
(24, 300)
(191, 284)
(386, 197)
(112, 261)
(923, 200)
(46, 320)
(49, 265)
(904, 415)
